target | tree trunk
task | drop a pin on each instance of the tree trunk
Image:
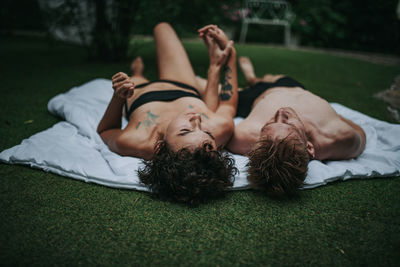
(111, 38)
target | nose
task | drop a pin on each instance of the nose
(195, 119)
(281, 115)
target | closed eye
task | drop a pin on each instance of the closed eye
(184, 132)
(210, 135)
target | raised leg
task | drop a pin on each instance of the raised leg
(172, 60)
(137, 68)
(248, 70)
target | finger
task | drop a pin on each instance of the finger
(214, 34)
(201, 34)
(229, 45)
(123, 90)
(119, 80)
(206, 28)
(208, 40)
(121, 77)
(120, 83)
(125, 94)
(128, 85)
(203, 29)
(123, 86)
(217, 32)
(228, 48)
(130, 93)
(118, 74)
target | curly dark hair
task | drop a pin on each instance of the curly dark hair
(278, 166)
(187, 176)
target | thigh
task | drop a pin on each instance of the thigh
(172, 60)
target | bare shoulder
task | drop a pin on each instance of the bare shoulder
(223, 129)
(243, 139)
(132, 143)
(348, 141)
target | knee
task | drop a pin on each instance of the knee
(271, 77)
(162, 26)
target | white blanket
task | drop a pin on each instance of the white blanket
(72, 147)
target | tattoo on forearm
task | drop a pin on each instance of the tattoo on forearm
(226, 90)
(150, 120)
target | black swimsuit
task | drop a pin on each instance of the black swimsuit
(165, 96)
(249, 95)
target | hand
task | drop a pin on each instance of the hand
(122, 85)
(215, 33)
(218, 56)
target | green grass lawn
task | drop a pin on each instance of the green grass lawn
(51, 220)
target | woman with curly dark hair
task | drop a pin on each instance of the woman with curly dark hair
(176, 126)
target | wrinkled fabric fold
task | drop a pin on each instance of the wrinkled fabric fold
(72, 148)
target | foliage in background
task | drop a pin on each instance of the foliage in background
(20, 15)
(357, 25)
(186, 16)
(103, 27)
(365, 25)
(49, 220)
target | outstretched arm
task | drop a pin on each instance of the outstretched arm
(226, 102)
(218, 58)
(229, 91)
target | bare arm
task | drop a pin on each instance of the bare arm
(109, 128)
(112, 117)
(239, 144)
(228, 97)
(123, 89)
(218, 58)
(210, 96)
(348, 142)
(358, 139)
(229, 91)
(245, 136)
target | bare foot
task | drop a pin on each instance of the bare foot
(137, 66)
(247, 68)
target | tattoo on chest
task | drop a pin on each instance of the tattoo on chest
(202, 114)
(149, 120)
(226, 90)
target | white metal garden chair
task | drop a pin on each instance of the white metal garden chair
(266, 12)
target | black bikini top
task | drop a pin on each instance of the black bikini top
(165, 96)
